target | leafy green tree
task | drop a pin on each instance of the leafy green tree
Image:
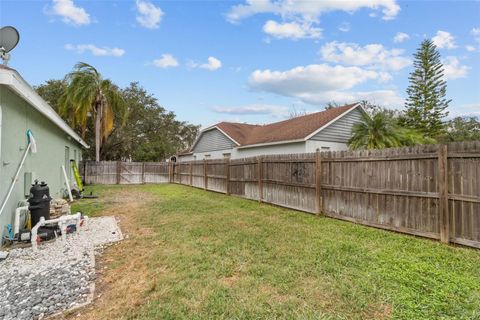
(151, 133)
(381, 131)
(51, 91)
(426, 104)
(88, 93)
(463, 129)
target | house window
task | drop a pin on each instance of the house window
(325, 148)
(207, 156)
(194, 157)
(226, 155)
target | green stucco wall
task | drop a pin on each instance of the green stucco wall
(16, 117)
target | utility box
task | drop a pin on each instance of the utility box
(29, 178)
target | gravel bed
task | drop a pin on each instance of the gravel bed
(59, 276)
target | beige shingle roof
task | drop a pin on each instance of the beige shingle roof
(291, 129)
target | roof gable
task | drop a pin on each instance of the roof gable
(12, 79)
(340, 129)
(212, 139)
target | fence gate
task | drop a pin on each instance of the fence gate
(131, 172)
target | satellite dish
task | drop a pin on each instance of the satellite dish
(9, 38)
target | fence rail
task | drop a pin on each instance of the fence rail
(431, 191)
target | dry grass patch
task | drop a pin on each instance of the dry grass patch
(193, 254)
(123, 278)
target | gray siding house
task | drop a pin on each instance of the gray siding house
(22, 109)
(214, 140)
(327, 130)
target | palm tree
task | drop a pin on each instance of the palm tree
(382, 131)
(88, 94)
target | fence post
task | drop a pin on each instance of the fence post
(227, 176)
(173, 172)
(318, 183)
(119, 171)
(143, 172)
(85, 164)
(205, 177)
(170, 172)
(260, 180)
(444, 217)
(191, 174)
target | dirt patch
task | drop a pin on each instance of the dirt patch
(205, 239)
(121, 280)
(384, 311)
(230, 281)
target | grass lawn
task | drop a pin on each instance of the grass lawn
(192, 254)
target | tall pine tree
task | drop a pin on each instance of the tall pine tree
(426, 105)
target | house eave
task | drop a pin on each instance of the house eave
(270, 143)
(227, 136)
(12, 79)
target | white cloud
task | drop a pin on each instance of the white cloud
(315, 77)
(470, 48)
(344, 27)
(300, 17)
(444, 39)
(291, 30)
(212, 64)
(476, 34)
(70, 13)
(96, 51)
(400, 37)
(320, 83)
(166, 61)
(309, 10)
(374, 56)
(149, 16)
(253, 109)
(453, 69)
(388, 98)
(466, 110)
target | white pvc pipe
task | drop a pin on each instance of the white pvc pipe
(62, 221)
(15, 178)
(16, 224)
(67, 183)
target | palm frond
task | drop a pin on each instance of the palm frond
(381, 131)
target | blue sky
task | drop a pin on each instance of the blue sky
(251, 61)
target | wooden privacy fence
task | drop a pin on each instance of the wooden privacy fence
(431, 191)
(117, 172)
